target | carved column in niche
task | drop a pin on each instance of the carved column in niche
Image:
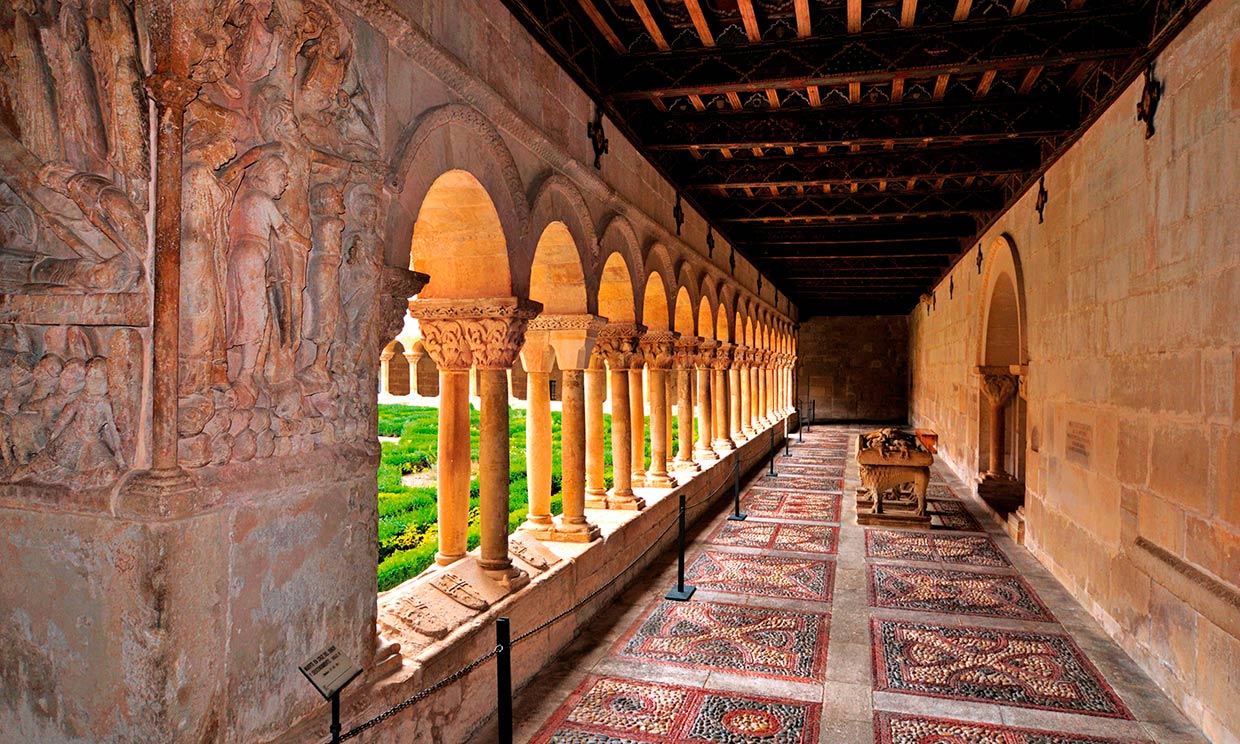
(412, 358)
(998, 389)
(658, 348)
(495, 340)
(720, 365)
(742, 363)
(702, 449)
(617, 342)
(571, 338)
(171, 92)
(637, 412)
(684, 360)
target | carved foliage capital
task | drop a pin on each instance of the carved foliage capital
(706, 353)
(170, 90)
(659, 349)
(685, 352)
(722, 359)
(445, 340)
(485, 333)
(618, 344)
(998, 389)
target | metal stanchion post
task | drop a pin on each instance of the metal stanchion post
(811, 410)
(335, 727)
(683, 591)
(736, 515)
(787, 444)
(503, 679)
(800, 426)
(771, 473)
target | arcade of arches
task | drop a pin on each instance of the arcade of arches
(231, 230)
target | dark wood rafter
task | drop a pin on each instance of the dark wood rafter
(853, 150)
(978, 47)
(985, 121)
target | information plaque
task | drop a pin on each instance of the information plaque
(329, 671)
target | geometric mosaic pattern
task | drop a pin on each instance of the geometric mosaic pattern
(771, 504)
(799, 538)
(1034, 670)
(902, 728)
(973, 550)
(801, 482)
(778, 644)
(763, 575)
(610, 710)
(952, 515)
(956, 592)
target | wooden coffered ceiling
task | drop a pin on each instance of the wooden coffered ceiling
(853, 149)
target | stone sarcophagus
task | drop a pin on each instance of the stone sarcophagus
(894, 467)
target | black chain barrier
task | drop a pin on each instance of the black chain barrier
(502, 649)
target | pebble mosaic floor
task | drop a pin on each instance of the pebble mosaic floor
(809, 629)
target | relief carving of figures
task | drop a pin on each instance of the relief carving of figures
(74, 129)
(58, 421)
(321, 323)
(265, 277)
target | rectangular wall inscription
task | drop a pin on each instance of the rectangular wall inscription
(1080, 442)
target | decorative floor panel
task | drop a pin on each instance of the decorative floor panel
(767, 576)
(801, 482)
(900, 728)
(952, 515)
(611, 710)
(798, 538)
(973, 550)
(955, 592)
(778, 644)
(1034, 670)
(770, 504)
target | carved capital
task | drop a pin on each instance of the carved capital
(659, 349)
(618, 344)
(722, 359)
(685, 352)
(396, 286)
(572, 337)
(171, 91)
(485, 333)
(998, 389)
(706, 353)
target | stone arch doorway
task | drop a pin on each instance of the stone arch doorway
(1002, 372)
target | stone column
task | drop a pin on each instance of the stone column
(702, 449)
(637, 415)
(617, 341)
(684, 359)
(446, 342)
(596, 392)
(998, 389)
(412, 358)
(755, 394)
(670, 402)
(571, 338)
(385, 368)
(772, 415)
(658, 349)
(720, 365)
(734, 398)
(742, 363)
(539, 359)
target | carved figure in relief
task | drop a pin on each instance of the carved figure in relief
(31, 93)
(204, 238)
(254, 47)
(19, 385)
(83, 443)
(80, 122)
(28, 434)
(111, 212)
(362, 245)
(322, 319)
(118, 69)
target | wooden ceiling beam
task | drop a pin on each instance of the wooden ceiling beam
(983, 86)
(1030, 80)
(962, 10)
(854, 16)
(699, 22)
(652, 27)
(863, 125)
(917, 253)
(884, 231)
(603, 27)
(750, 20)
(908, 13)
(804, 27)
(879, 56)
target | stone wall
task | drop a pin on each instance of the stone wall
(1131, 309)
(854, 368)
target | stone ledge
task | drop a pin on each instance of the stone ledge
(1216, 601)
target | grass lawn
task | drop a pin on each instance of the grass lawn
(408, 531)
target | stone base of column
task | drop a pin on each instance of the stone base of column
(660, 481)
(510, 578)
(689, 466)
(540, 527)
(705, 454)
(582, 532)
(748, 433)
(626, 503)
(723, 445)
